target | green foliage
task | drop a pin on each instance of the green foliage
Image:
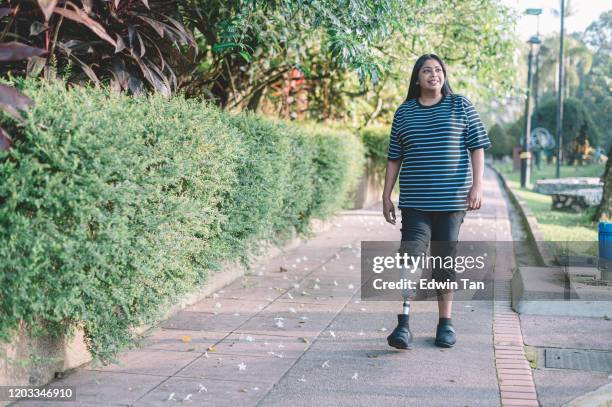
(337, 170)
(112, 206)
(501, 142)
(577, 121)
(376, 141)
(129, 44)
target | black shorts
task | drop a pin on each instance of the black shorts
(420, 228)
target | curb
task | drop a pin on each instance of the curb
(533, 229)
(601, 397)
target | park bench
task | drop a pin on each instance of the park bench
(571, 194)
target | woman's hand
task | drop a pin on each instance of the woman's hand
(389, 210)
(474, 198)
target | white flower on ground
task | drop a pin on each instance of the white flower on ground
(202, 388)
(279, 324)
(335, 283)
(316, 287)
(325, 364)
(290, 296)
(188, 397)
(302, 379)
(171, 397)
(249, 338)
(332, 334)
(241, 366)
(351, 286)
(355, 376)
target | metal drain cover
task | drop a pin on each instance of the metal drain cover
(578, 359)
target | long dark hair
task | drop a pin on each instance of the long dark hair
(414, 90)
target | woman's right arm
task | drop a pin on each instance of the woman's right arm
(393, 167)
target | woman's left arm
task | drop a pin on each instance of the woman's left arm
(475, 196)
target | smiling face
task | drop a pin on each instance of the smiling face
(431, 76)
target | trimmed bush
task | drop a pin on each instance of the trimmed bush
(376, 142)
(111, 207)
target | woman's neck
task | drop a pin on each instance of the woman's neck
(430, 95)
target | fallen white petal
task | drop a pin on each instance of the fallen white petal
(202, 388)
(325, 364)
(241, 366)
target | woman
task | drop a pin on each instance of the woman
(438, 141)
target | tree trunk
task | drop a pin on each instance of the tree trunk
(604, 212)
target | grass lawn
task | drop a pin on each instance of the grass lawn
(555, 225)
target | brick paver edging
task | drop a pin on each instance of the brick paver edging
(516, 384)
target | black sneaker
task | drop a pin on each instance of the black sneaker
(401, 337)
(446, 336)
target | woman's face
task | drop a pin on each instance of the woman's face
(431, 76)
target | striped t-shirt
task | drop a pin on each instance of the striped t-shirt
(434, 143)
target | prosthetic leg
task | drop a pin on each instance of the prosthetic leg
(401, 337)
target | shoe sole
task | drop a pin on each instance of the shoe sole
(399, 344)
(444, 344)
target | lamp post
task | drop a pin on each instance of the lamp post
(536, 79)
(526, 154)
(560, 96)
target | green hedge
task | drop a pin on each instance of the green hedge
(111, 207)
(376, 142)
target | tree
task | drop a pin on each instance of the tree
(577, 122)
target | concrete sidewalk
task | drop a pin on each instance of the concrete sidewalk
(295, 333)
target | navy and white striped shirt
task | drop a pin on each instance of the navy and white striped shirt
(434, 143)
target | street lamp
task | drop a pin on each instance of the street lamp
(525, 155)
(536, 78)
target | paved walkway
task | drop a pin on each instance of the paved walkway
(295, 333)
